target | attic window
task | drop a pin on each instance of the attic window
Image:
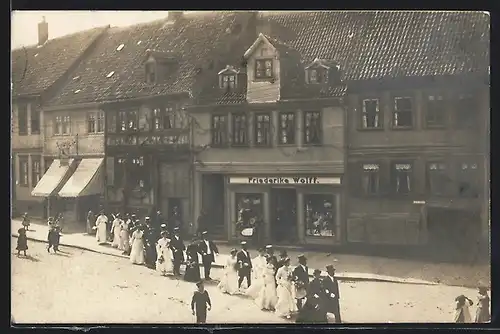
(110, 74)
(316, 76)
(120, 47)
(263, 69)
(150, 73)
(228, 81)
(228, 78)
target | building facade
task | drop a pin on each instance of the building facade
(38, 72)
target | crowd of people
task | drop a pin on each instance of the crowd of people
(271, 282)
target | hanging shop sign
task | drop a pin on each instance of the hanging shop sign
(296, 180)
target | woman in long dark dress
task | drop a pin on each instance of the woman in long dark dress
(483, 306)
(192, 273)
(22, 241)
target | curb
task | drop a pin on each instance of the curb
(340, 276)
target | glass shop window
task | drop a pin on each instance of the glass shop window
(320, 215)
(249, 210)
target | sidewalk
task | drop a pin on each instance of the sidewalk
(349, 267)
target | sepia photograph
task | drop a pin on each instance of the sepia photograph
(250, 167)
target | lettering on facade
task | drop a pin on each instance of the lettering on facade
(296, 180)
(147, 140)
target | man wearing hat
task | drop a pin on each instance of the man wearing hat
(177, 247)
(313, 311)
(331, 286)
(201, 303)
(272, 258)
(301, 280)
(207, 249)
(282, 259)
(150, 238)
(244, 265)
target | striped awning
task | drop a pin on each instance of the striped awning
(86, 180)
(52, 179)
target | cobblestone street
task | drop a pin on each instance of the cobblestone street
(77, 286)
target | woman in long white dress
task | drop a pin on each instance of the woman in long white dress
(102, 230)
(258, 265)
(125, 236)
(267, 297)
(229, 281)
(137, 252)
(116, 230)
(286, 301)
(164, 262)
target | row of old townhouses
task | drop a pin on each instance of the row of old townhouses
(333, 127)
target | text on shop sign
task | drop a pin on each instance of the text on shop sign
(285, 180)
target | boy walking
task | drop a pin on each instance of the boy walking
(201, 303)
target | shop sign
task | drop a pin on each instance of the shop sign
(296, 180)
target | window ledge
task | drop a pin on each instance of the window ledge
(380, 128)
(402, 128)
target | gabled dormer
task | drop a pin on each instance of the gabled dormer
(228, 79)
(321, 72)
(158, 66)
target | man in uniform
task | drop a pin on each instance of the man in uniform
(331, 286)
(301, 279)
(207, 249)
(177, 247)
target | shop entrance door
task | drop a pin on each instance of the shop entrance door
(284, 215)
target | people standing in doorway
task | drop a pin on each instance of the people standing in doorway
(332, 293)
(202, 222)
(258, 264)
(483, 306)
(229, 281)
(286, 304)
(137, 251)
(462, 312)
(244, 265)
(90, 222)
(208, 251)
(164, 259)
(177, 247)
(267, 296)
(192, 273)
(116, 230)
(301, 280)
(200, 303)
(101, 226)
(22, 241)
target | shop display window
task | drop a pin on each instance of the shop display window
(320, 215)
(249, 210)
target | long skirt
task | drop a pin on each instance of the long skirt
(192, 273)
(267, 297)
(229, 282)
(137, 252)
(286, 302)
(101, 235)
(482, 315)
(254, 289)
(116, 237)
(124, 241)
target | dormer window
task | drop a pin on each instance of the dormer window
(321, 72)
(228, 78)
(263, 69)
(228, 81)
(150, 73)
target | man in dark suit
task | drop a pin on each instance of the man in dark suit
(177, 247)
(244, 265)
(331, 288)
(207, 249)
(301, 279)
(313, 310)
(150, 239)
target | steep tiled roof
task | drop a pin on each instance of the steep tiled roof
(35, 69)
(376, 44)
(198, 39)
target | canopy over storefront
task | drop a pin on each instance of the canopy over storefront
(52, 179)
(86, 180)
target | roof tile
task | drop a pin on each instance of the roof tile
(37, 68)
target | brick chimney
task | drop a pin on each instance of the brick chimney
(43, 32)
(174, 15)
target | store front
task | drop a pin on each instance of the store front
(288, 210)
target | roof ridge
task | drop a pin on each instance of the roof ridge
(62, 37)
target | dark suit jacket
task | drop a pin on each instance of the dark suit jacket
(202, 249)
(242, 259)
(331, 286)
(301, 275)
(177, 247)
